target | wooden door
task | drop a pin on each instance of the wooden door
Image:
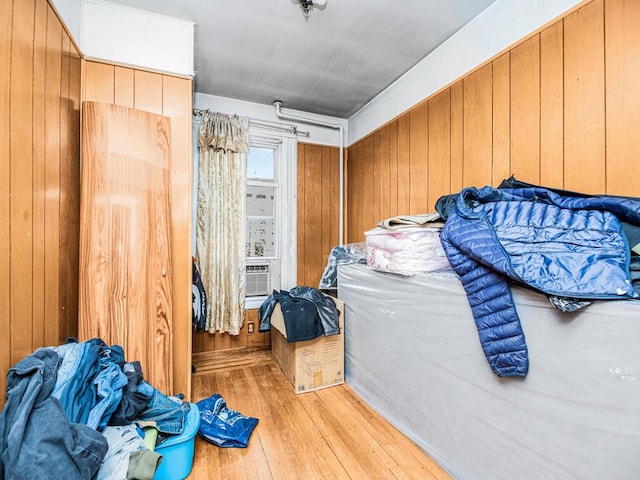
(125, 231)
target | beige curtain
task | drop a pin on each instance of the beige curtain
(220, 235)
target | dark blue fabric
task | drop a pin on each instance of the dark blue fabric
(307, 313)
(167, 414)
(221, 425)
(560, 245)
(37, 441)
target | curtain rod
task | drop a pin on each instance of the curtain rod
(265, 124)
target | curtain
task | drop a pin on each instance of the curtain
(223, 142)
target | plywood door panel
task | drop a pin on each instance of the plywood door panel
(478, 134)
(622, 98)
(551, 106)
(584, 133)
(439, 176)
(501, 120)
(125, 251)
(525, 110)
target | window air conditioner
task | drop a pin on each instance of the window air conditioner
(258, 280)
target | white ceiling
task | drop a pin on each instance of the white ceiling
(333, 63)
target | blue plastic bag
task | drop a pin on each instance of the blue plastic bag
(222, 426)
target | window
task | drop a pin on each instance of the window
(271, 216)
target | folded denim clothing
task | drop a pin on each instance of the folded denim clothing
(222, 426)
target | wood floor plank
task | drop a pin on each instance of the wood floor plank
(329, 434)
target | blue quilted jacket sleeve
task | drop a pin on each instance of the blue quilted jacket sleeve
(488, 292)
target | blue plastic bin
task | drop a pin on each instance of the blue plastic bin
(177, 451)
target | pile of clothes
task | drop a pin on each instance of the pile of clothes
(78, 411)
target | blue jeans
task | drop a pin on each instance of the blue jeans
(109, 384)
(37, 441)
(167, 414)
(79, 362)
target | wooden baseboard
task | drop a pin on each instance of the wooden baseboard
(207, 362)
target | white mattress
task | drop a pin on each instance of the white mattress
(412, 352)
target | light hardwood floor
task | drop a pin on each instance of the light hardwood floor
(328, 434)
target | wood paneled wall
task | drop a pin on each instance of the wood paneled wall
(172, 97)
(39, 184)
(318, 220)
(560, 108)
(318, 215)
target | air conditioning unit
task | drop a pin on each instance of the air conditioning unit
(258, 280)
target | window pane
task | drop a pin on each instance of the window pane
(260, 201)
(260, 164)
(261, 238)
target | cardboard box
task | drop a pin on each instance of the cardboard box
(309, 365)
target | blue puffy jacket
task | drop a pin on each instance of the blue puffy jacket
(556, 244)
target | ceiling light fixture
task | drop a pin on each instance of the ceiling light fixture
(307, 5)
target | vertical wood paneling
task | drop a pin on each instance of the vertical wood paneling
(525, 110)
(537, 110)
(376, 167)
(73, 195)
(551, 106)
(457, 136)
(99, 83)
(37, 185)
(6, 32)
(334, 198)
(327, 222)
(384, 185)
(123, 87)
(419, 158)
(313, 215)
(39, 171)
(501, 120)
(368, 215)
(439, 147)
(622, 98)
(53, 199)
(404, 165)
(148, 91)
(177, 104)
(393, 169)
(21, 173)
(584, 132)
(64, 287)
(478, 132)
(302, 221)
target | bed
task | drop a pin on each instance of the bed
(412, 352)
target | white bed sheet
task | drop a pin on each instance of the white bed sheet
(412, 352)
